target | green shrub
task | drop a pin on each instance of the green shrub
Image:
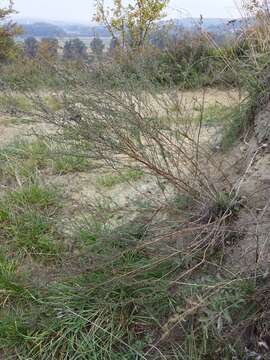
(28, 74)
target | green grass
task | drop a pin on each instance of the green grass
(118, 306)
(237, 122)
(13, 285)
(34, 233)
(18, 104)
(64, 164)
(111, 180)
(53, 102)
(182, 201)
(17, 120)
(15, 103)
(215, 114)
(97, 316)
(8, 284)
(33, 195)
(16, 296)
(26, 217)
(24, 158)
(108, 314)
(234, 120)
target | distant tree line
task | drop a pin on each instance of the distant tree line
(73, 49)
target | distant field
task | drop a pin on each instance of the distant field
(85, 39)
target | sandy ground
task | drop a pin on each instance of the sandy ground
(187, 99)
(81, 189)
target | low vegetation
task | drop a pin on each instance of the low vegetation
(121, 221)
(111, 180)
(22, 160)
(26, 219)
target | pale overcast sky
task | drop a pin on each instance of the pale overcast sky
(82, 10)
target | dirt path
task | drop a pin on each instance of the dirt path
(17, 132)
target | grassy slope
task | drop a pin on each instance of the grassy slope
(126, 301)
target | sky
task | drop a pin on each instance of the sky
(82, 10)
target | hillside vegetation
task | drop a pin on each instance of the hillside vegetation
(134, 196)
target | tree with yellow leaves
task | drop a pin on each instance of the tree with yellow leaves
(130, 25)
(48, 49)
(8, 29)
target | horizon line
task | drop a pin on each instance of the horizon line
(77, 21)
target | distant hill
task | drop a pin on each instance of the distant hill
(85, 30)
(66, 29)
(208, 24)
(41, 29)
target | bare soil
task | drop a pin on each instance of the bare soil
(81, 190)
(82, 187)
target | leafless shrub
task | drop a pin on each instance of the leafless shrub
(161, 132)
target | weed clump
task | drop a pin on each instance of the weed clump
(110, 180)
(26, 221)
(24, 159)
